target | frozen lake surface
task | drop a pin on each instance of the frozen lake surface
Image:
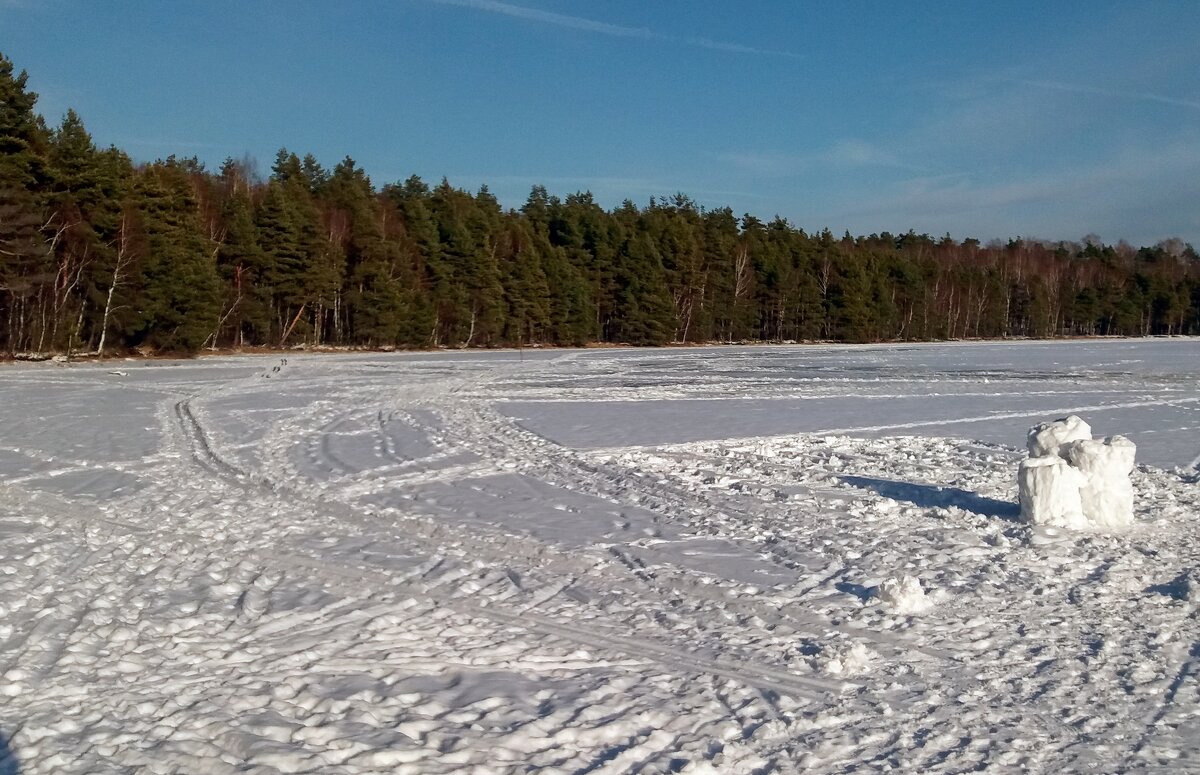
(593, 561)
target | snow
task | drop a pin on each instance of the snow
(905, 595)
(1048, 438)
(1106, 493)
(761, 559)
(1049, 492)
(1072, 480)
(852, 659)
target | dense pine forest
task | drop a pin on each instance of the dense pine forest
(100, 254)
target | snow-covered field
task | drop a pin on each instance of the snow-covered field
(728, 560)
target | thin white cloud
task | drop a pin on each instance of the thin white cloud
(1077, 88)
(852, 152)
(846, 153)
(548, 17)
(604, 28)
(1126, 194)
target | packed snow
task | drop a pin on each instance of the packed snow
(905, 595)
(1072, 480)
(760, 559)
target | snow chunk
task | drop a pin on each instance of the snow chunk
(851, 660)
(1107, 493)
(1049, 492)
(1190, 588)
(1072, 480)
(904, 595)
(1047, 438)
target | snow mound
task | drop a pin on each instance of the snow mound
(1074, 481)
(1048, 438)
(849, 660)
(904, 595)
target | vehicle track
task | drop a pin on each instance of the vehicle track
(492, 438)
(357, 582)
(192, 436)
(454, 420)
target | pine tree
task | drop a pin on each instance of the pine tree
(243, 266)
(374, 265)
(644, 313)
(589, 239)
(88, 193)
(420, 256)
(285, 255)
(26, 268)
(526, 288)
(467, 293)
(674, 225)
(180, 295)
(93, 253)
(305, 268)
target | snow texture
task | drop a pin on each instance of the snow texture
(852, 659)
(1048, 438)
(1049, 492)
(595, 561)
(1106, 493)
(904, 595)
(1074, 481)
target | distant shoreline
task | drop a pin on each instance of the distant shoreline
(62, 358)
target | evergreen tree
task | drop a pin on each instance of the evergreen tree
(526, 287)
(243, 265)
(26, 268)
(94, 254)
(374, 265)
(306, 269)
(644, 313)
(420, 254)
(180, 299)
(87, 198)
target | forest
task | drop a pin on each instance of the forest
(102, 255)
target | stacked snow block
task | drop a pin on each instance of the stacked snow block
(1072, 480)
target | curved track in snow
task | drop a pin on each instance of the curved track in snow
(381, 564)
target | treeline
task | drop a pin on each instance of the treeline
(98, 253)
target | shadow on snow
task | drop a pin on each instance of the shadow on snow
(932, 496)
(8, 759)
(1179, 588)
(858, 590)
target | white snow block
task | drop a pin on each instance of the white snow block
(1049, 492)
(904, 595)
(1047, 438)
(1106, 493)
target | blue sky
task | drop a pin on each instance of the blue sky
(984, 119)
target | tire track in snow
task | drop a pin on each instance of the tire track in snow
(203, 454)
(851, 723)
(354, 582)
(494, 437)
(482, 432)
(483, 425)
(473, 424)
(197, 442)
